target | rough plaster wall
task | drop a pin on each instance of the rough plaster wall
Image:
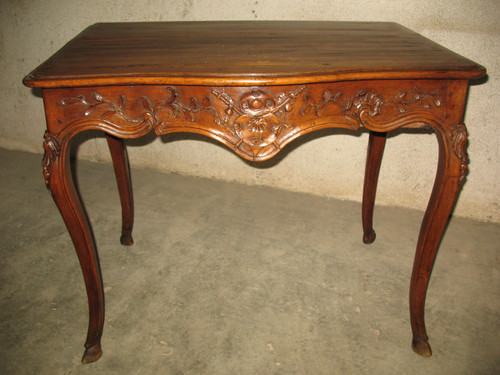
(332, 164)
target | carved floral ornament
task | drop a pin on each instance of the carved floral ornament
(459, 144)
(373, 102)
(52, 149)
(257, 116)
(255, 120)
(261, 116)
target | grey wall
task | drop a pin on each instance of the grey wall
(331, 165)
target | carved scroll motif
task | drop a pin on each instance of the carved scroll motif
(373, 103)
(101, 107)
(98, 102)
(52, 149)
(426, 100)
(255, 119)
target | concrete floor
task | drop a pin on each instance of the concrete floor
(231, 279)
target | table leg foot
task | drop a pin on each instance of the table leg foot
(376, 145)
(59, 180)
(124, 183)
(369, 236)
(421, 347)
(452, 165)
(92, 353)
(126, 239)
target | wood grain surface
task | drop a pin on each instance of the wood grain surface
(247, 53)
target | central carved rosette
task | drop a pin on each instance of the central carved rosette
(255, 121)
(260, 116)
(258, 125)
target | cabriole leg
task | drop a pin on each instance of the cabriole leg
(58, 178)
(450, 176)
(124, 182)
(376, 145)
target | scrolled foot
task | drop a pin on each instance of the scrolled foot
(421, 347)
(369, 236)
(92, 354)
(126, 239)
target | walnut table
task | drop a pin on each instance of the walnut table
(254, 86)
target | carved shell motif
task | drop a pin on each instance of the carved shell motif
(260, 116)
(252, 120)
(255, 119)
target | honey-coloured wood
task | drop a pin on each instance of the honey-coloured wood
(59, 180)
(246, 53)
(255, 87)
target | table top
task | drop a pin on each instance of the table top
(247, 53)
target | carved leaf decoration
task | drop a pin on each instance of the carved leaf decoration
(438, 94)
(52, 148)
(373, 104)
(108, 113)
(98, 97)
(206, 102)
(157, 107)
(79, 99)
(186, 115)
(146, 104)
(174, 109)
(122, 101)
(348, 105)
(458, 137)
(425, 103)
(172, 96)
(420, 97)
(459, 140)
(398, 101)
(194, 103)
(400, 95)
(307, 108)
(90, 110)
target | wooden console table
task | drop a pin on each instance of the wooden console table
(254, 86)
